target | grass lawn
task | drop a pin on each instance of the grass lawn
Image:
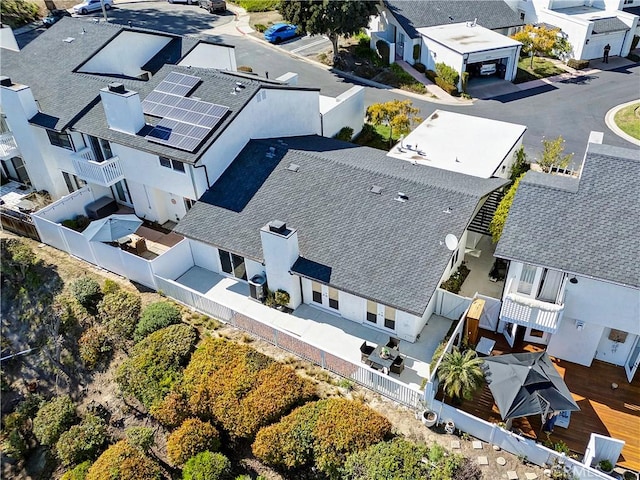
(628, 119)
(375, 137)
(542, 68)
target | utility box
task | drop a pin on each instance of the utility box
(473, 320)
(258, 287)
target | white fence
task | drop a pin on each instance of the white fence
(450, 305)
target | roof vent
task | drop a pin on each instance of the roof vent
(293, 167)
(240, 86)
(68, 39)
(402, 197)
(117, 87)
(5, 81)
(375, 189)
(276, 226)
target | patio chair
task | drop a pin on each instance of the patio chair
(393, 343)
(398, 365)
(365, 351)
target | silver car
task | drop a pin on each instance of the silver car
(92, 6)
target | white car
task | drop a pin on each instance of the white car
(92, 6)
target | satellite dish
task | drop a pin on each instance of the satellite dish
(451, 241)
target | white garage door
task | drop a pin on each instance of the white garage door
(595, 48)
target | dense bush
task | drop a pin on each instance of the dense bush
(240, 388)
(94, 345)
(207, 466)
(578, 64)
(172, 410)
(192, 437)
(140, 437)
(18, 268)
(110, 287)
(54, 418)
(431, 75)
(123, 461)
(88, 293)
(454, 282)
(416, 52)
(399, 459)
(82, 442)
(321, 433)
(446, 86)
(120, 312)
(258, 5)
(78, 473)
(156, 363)
(78, 223)
(384, 51)
(16, 13)
(448, 74)
(420, 67)
(156, 316)
(500, 216)
(245, 68)
(345, 134)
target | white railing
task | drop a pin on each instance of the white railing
(8, 145)
(530, 312)
(104, 173)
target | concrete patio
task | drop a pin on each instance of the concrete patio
(478, 279)
(318, 327)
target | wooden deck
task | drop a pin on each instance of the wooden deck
(615, 413)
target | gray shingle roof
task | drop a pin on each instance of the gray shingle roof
(412, 14)
(360, 242)
(588, 226)
(68, 99)
(607, 25)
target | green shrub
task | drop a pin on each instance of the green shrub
(156, 316)
(94, 346)
(259, 27)
(16, 13)
(384, 51)
(54, 418)
(520, 165)
(416, 52)
(140, 437)
(123, 461)
(420, 67)
(82, 442)
(500, 216)
(245, 68)
(78, 223)
(447, 87)
(192, 437)
(87, 292)
(78, 473)
(207, 466)
(282, 297)
(578, 64)
(172, 410)
(156, 363)
(431, 75)
(345, 134)
(454, 282)
(120, 312)
(258, 5)
(448, 74)
(399, 459)
(465, 81)
(110, 286)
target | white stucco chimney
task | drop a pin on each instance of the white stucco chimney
(122, 108)
(8, 39)
(280, 251)
(17, 99)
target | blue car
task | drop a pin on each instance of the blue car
(280, 31)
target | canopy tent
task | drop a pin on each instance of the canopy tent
(111, 228)
(526, 384)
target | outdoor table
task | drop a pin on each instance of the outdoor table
(376, 359)
(485, 346)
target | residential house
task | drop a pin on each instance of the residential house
(462, 34)
(573, 282)
(148, 119)
(588, 25)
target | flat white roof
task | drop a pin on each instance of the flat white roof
(465, 38)
(460, 143)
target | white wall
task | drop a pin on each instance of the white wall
(614, 352)
(8, 39)
(573, 345)
(408, 326)
(433, 52)
(206, 55)
(346, 110)
(174, 262)
(280, 253)
(126, 54)
(205, 256)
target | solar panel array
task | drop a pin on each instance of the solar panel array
(186, 122)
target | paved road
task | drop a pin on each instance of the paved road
(571, 109)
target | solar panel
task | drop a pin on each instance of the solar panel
(174, 133)
(177, 84)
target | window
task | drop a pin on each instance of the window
(372, 311)
(333, 298)
(390, 317)
(536, 333)
(232, 264)
(173, 164)
(316, 288)
(188, 203)
(101, 148)
(527, 277)
(73, 183)
(62, 140)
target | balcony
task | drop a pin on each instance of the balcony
(532, 313)
(104, 173)
(8, 146)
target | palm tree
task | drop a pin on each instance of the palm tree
(461, 374)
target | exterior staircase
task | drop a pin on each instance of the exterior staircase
(480, 223)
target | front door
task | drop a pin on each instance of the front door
(121, 193)
(631, 365)
(400, 46)
(509, 333)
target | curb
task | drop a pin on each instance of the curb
(609, 120)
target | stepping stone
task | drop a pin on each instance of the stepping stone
(512, 475)
(477, 445)
(501, 461)
(530, 476)
(483, 460)
(455, 444)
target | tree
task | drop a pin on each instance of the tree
(552, 155)
(520, 165)
(329, 17)
(460, 373)
(192, 437)
(500, 216)
(88, 293)
(207, 466)
(123, 461)
(52, 419)
(541, 41)
(82, 442)
(398, 115)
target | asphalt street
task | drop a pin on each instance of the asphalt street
(571, 109)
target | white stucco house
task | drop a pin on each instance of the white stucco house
(589, 25)
(573, 282)
(148, 119)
